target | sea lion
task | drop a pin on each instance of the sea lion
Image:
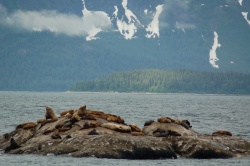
(88, 125)
(68, 136)
(59, 125)
(28, 125)
(149, 122)
(222, 133)
(186, 124)
(45, 121)
(41, 120)
(50, 114)
(164, 133)
(75, 117)
(117, 127)
(160, 133)
(93, 112)
(69, 115)
(67, 112)
(177, 121)
(135, 128)
(173, 133)
(164, 120)
(88, 117)
(114, 118)
(97, 114)
(56, 135)
(7, 136)
(13, 145)
(93, 132)
(67, 124)
(81, 110)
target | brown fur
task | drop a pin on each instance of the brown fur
(88, 117)
(20, 126)
(41, 120)
(88, 125)
(69, 115)
(114, 118)
(59, 125)
(75, 117)
(99, 115)
(28, 125)
(45, 121)
(164, 120)
(64, 113)
(222, 133)
(135, 128)
(81, 110)
(50, 114)
(117, 127)
(177, 121)
(93, 112)
(56, 135)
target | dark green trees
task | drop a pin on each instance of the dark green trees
(170, 81)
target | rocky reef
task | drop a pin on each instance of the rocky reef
(90, 133)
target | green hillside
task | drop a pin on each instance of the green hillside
(170, 81)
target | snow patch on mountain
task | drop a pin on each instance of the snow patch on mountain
(212, 54)
(95, 22)
(129, 28)
(240, 2)
(153, 27)
(244, 14)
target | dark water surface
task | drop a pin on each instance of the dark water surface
(206, 113)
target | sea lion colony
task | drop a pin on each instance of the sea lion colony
(83, 118)
(83, 122)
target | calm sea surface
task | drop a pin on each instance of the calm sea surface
(206, 113)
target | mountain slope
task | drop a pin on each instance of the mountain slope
(50, 45)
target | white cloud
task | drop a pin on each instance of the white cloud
(47, 20)
(68, 24)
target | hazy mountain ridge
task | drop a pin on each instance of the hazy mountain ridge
(36, 57)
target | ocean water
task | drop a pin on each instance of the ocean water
(206, 113)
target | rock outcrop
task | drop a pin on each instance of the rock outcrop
(88, 133)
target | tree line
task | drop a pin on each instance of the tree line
(170, 81)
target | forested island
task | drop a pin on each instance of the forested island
(169, 81)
